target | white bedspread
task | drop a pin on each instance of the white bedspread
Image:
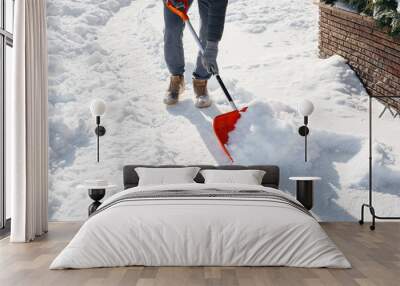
(200, 231)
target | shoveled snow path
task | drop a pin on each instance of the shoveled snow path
(138, 57)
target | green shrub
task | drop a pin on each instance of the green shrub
(384, 11)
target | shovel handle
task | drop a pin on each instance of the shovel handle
(195, 36)
(182, 13)
(217, 76)
(228, 96)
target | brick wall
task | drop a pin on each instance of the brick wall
(370, 51)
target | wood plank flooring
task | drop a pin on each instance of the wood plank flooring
(375, 257)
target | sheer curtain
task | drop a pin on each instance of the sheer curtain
(27, 123)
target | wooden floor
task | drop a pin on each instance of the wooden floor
(375, 257)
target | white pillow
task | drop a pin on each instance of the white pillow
(248, 177)
(166, 176)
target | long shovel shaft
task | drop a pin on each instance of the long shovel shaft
(195, 36)
(219, 79)
(228, 96)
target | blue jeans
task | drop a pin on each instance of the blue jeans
(173, 46)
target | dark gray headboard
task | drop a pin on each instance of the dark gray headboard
(271, 178)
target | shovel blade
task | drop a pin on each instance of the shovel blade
(225, 123)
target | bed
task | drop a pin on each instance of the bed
(198, 224)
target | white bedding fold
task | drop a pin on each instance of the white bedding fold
(200, 231)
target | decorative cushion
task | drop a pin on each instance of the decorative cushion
(247, 177)
(164, 176)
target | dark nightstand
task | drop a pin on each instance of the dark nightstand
(96, 193)
(304, 190)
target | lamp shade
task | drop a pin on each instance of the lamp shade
(97, 107)
(306, 107)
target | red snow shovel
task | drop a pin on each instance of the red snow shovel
(223, 123)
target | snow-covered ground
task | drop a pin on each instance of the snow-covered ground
(113, 49)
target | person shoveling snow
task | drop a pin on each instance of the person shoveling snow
(212, 15)
(207, 62)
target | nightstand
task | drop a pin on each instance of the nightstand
(96, 193)
(304, 190)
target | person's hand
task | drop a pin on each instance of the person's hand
(177, 4)
(209, 58)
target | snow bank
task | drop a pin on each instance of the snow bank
(268, 133)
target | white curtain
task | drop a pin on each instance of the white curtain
(27, 123)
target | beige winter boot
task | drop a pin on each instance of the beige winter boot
(200, 89)
(176, 88)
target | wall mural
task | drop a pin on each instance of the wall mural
(268, 57)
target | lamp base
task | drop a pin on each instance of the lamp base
(96, 195)
(304, 131)
(100, 130)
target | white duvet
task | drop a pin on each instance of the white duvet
(199, 231)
